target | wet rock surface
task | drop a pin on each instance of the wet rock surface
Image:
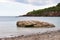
(36, 24)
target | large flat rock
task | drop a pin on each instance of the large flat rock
(36, 24)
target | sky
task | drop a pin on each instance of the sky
(21, 7)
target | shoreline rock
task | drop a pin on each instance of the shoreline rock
(36, 24)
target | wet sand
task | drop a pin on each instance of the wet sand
(52, 35)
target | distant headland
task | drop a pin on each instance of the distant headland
(46, 12)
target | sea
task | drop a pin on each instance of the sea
(8, 27)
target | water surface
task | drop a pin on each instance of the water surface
(8, 25)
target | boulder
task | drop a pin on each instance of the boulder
(36, 24)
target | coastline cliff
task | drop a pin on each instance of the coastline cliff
(51, 11)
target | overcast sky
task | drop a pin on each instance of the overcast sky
(20, 7)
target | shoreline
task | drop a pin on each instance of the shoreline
(52, 35)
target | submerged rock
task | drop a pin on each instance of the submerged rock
(36, 24)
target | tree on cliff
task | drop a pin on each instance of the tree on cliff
(58, 4)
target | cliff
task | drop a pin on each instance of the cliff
(51, 11)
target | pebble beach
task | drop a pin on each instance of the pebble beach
(52, 35)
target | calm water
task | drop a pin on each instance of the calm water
(8, 25)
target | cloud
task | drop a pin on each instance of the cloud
(35, 2)
(42, 2)
(15, 8)
(6, 0)
(21, 1)
(39, 2)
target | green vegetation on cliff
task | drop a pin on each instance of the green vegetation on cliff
(51, 11)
